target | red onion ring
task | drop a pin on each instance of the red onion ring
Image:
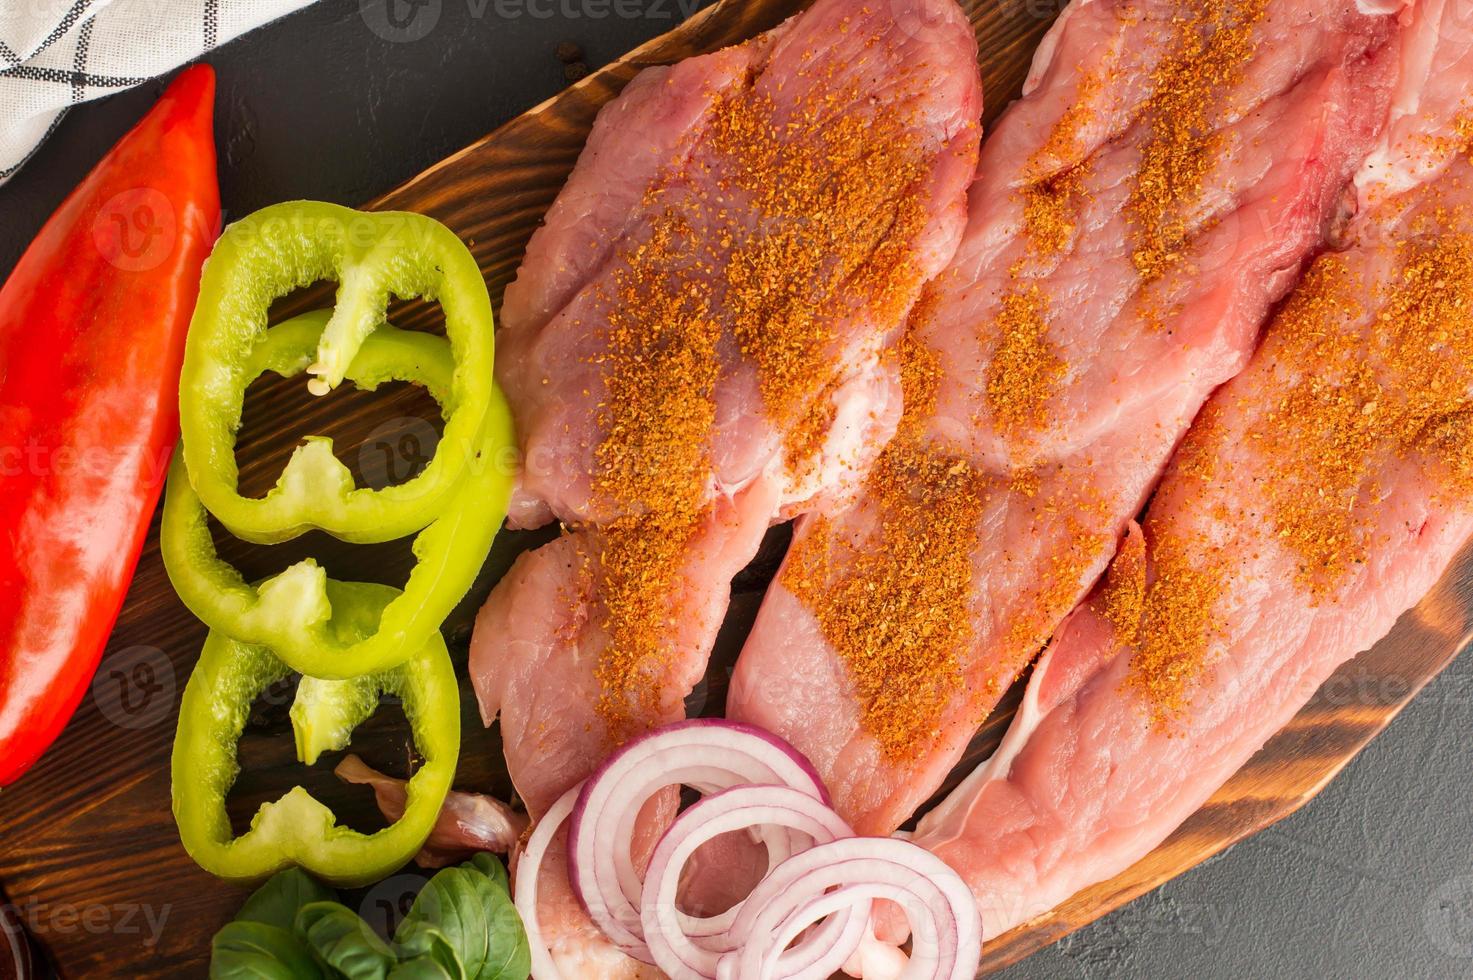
(524, 889)
(671, 946)
(944, 920)
(809, 914)
(709, 755)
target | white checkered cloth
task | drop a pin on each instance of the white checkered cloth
(57, 53)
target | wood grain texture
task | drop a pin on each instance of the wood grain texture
(88, 849)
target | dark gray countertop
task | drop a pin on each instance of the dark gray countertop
(1372, 879)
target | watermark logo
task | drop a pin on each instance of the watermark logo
(1454, 27)
(134, 688)
(1447, 918)
(136, 229)
(386, 904)
(1032, 9)
(925, 22)
(396, 451)
(17, 951)
(400, 21)
(45, 919)
(406, 21)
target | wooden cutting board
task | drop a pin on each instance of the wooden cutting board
(88, 851)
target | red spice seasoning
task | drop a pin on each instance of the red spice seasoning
(1213, 40)
(1372, 373)
(896, 605)
(788, 217)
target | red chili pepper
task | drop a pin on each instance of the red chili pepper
(92, 325)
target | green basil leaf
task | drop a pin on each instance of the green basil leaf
(508, 956)
(344, 941)
(422, 968)
(438, 960)
(276, 903)
(444, 956)
(257, 951)
(486, 863)
(421, 939)
(448, 904)
(473, 915)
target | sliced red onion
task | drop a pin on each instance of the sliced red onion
(524, 889)
(667, 930)
(945, 924)
(708, 755)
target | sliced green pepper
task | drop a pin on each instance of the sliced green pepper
(373, 256)
(291, 612)
(297, 829)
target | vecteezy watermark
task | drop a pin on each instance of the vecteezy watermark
(400, 21)
(136, 230)
(134, 687)
(45, 919)
(926, 23)
(17, 952)
(1036, 9)
(1453, 27)
(1108, 941)
(386, 903)
(396, 450)
(1447, 918)
(38, 458)
(400, 449)
(407, 21)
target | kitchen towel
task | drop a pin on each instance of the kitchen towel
(57, 53)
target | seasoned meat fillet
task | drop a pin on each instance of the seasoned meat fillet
(1318, 497)
(1134, 218)
(700, 341)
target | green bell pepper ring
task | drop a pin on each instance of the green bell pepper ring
(291, 612)
(373, 256)
(297, 829)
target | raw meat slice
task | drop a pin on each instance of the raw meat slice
(727, 288)
(699, 341)
(537, 644)
(717, 176)
(1318, 497)
(1436, 59)
(1134, 218)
